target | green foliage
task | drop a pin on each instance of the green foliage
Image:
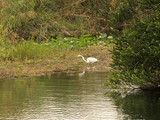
(137, 52)
(29, 50)
(124, 10)
(24, 50)
(75, 43)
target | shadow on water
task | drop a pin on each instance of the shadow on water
(138, 105)
(78, 95)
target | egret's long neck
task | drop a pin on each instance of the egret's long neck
(83, 58)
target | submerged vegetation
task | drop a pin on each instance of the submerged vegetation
(32, 30)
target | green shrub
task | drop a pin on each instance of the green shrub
(121, 14)
(122, 11)
(137, 52)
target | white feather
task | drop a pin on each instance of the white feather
(89, 60)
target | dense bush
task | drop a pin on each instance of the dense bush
(137, 50)
(45, 19)
(122, 11)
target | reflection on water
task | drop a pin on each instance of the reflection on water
(140, 105)
(71, 97)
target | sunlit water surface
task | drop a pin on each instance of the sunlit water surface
(62, 97)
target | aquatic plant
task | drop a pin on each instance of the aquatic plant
(75, 43)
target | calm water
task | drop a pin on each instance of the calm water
(60, 97)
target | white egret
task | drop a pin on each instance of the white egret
(89, 60)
